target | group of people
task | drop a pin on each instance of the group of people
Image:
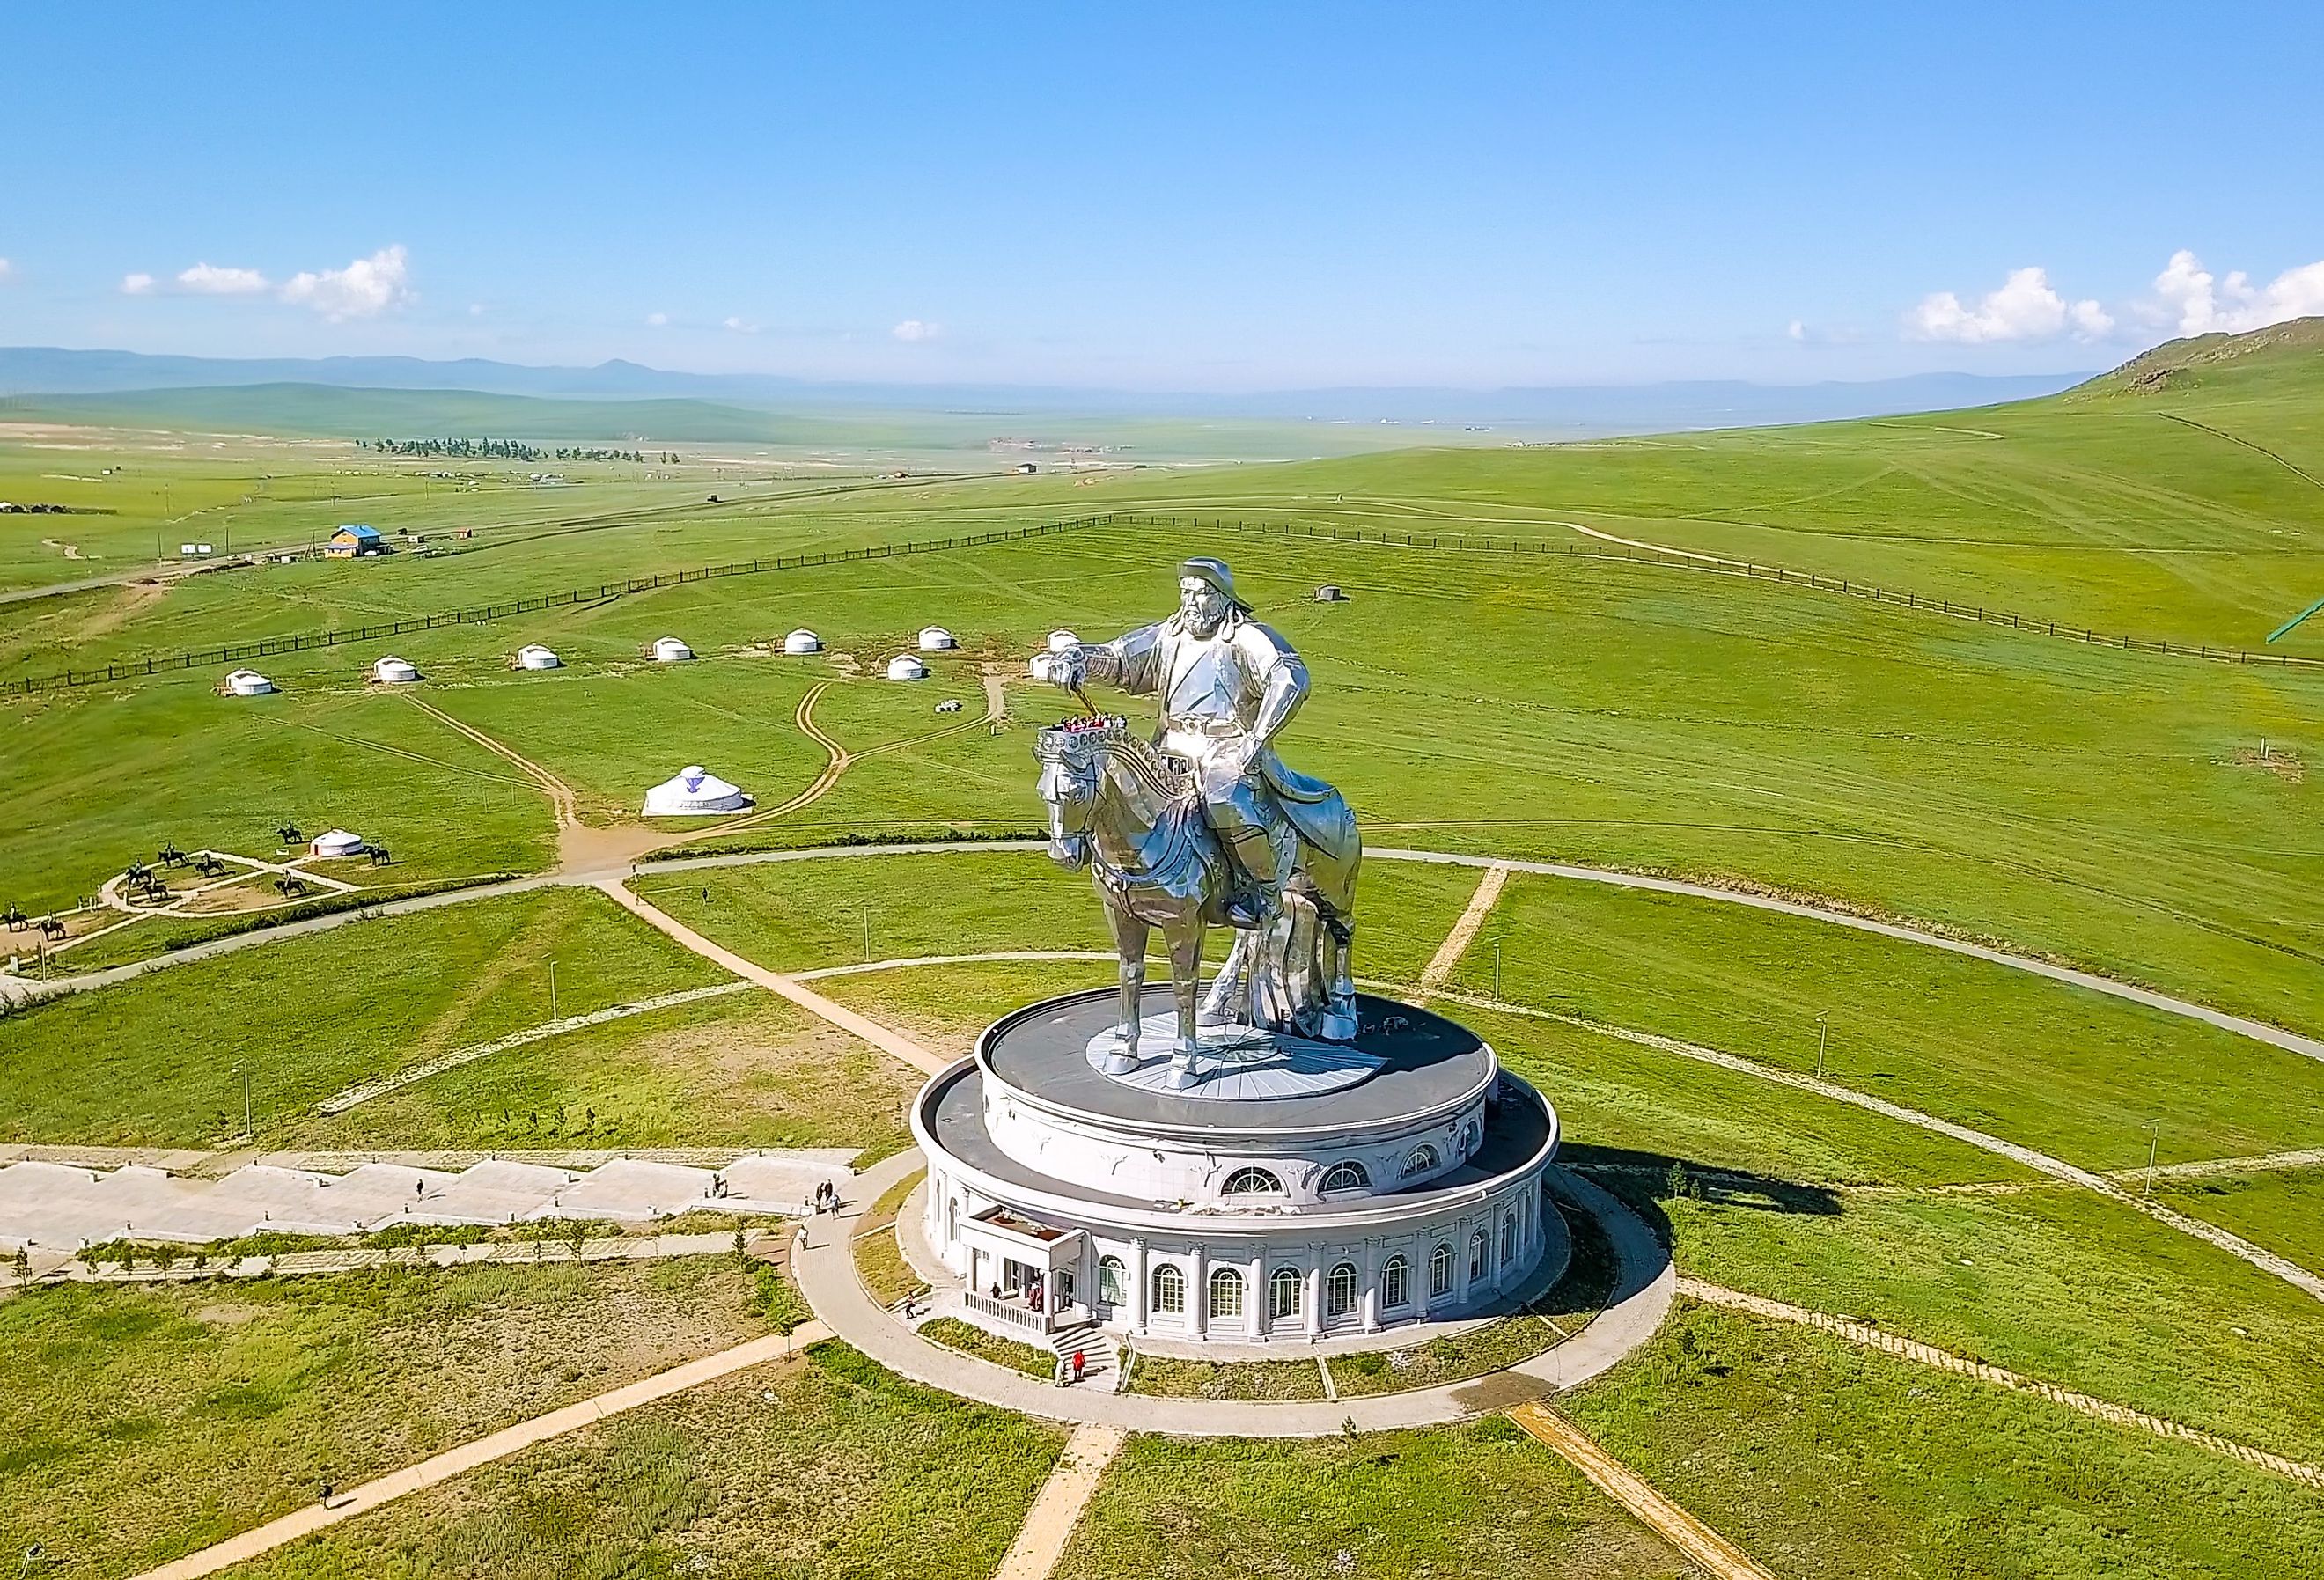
(826, 1197)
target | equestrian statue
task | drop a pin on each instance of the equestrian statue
(1204, 825)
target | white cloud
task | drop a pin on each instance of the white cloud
(364, 288)
(137, 285)
(2203, 305)
(2024, 308)
(475, 310)
(657, 320)
(209, 280)
(7, 270)
(741, 326)
(913, 329)
(1796, 329)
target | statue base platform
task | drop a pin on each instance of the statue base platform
(1232, 1062)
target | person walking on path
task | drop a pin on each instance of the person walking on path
(1080, 1361)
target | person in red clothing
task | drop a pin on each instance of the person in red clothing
(1079, 1361)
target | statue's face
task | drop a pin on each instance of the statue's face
(1203, 605)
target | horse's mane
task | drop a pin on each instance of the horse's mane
(1111, 736)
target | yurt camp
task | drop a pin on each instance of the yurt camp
(391, 671)
(696, 792)
(935, 639)
(247, 683)
(905, 667)
(338, 842)
(668, 650)
(802, 641)
(533, 656)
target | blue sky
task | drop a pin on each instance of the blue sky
(1191, 197)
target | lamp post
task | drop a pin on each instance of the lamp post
(1496, 970)
(552, 990)
(1823, 1031)
(2153, 1128)
(241, 1068)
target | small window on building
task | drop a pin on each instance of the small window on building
(1285, 1289)
(1480, 1248)
(1226, 1292)
(1440, 1269)
(1340, 1296)
(1169, 1289)
(1396, 1283)
(1469, 1138)
(1253, 1182)
(1113, 1281)
(1345, 1176)
(1421, 1161)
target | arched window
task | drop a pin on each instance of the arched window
(1508, 1238)
(1440, 1269)
(1340, 1296)
(1345, 1176)
(1421, 1160)
(952, 1219)
(1113, 1281)
(1469, 1136)
(1479, 1249)
(1169, 1289)
(1226, 1292)
(1253, 1182)
(1396, 1282)
(1285, 1288)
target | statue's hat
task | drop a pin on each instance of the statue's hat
(1203, 568)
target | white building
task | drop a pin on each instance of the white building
(533, 656)
(696, 792)
(1060, 639)
(935, 639)
(802, 641)
(905, 667)
(338, 842)
(1327, 1189)
(247, 683)
(392, 670)
(668, 650)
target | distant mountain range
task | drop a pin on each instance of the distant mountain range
(40, 370)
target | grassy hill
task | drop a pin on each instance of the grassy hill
(2283, 359)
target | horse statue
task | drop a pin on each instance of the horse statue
(1133, 814)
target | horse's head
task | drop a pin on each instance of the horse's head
(1072, 759)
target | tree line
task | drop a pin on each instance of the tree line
(503, 449)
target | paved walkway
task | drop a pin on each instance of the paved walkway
(1049, 1523)
(355, 1258)
(823, 1267)
(1703, 1546)
(428, 1472)
(2235, 1245)
(1874, 1339)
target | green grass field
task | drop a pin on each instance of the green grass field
(2136, 814)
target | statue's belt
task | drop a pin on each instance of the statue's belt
(1219, 729)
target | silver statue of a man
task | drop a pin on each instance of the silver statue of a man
(1227, 685)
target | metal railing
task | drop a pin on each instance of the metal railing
(1008, 1313)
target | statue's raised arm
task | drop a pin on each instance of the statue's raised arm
(1227, 685)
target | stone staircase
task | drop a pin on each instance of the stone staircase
(1101, 1359)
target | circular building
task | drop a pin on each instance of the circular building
(247, 683)
(802, 641)
(668, 650)
(533, 656)
(905, 667)
(696, 792)
(1061, 640)
(935, 639)
(1299, 1190)
(392, 670)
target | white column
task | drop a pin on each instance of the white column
(1254, 1290)
(1198, 1298)
(1315, 1290)
(1420, 1274)
(1460, 1260)
(1139, 1292)
(1370, 1296)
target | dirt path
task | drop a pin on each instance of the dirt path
(1703, 1546)
(1439, 969)
(1049, 1523)
(925, 1059)
(2235, 1245)
(1873, 1338)
(838, 759)
(500, 1445)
